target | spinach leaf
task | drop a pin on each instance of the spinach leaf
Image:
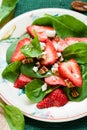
(12, 71)
(82, 91)
(10, 51)
(6, 11)
(13, 45)
(33, 49)
(63, 25)
(14, 117)
(34, 92)
(77, 51)
(75, 25)
(27, 69)
(45, 21)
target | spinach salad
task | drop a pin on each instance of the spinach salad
(50, 41)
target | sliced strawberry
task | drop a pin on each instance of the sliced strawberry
(71, 70)
(17, 55)
(55, 80)
(59, 44)
(56, 98)
(51, 54)
(72, 40)
(40, 30)
(22, 81)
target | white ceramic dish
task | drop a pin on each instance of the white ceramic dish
(13, 96)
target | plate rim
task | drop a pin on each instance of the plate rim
(8, 102)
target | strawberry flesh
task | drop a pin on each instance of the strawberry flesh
(17, 55)
(71, 70)
(21, 81)
(55, 80)
(56, 98)
(51, 54)
(59, 45)
(72, 40)
(40, 30)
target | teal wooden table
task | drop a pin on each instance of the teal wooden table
(28, 5)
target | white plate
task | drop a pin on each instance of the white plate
(13, 96)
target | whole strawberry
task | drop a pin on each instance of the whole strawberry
(56, 98)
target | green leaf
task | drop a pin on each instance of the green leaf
(45, 21)
(34, 92)
(12, 71)
(27, 69)
(6, 10)
(63, 25)
(65, 28)
(13, 45)
(78, 51)
(75, 25)
(14, 117)
(82, 91)
(10, 51)
(33, 49)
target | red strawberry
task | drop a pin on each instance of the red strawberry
(59, 44)
(55, 80)
(22, 81)
(72, 40)
(71, 70)
(17, 55)
(51, 54)
(56, 98)
(40, 30)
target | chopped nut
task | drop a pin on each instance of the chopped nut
(69, 83)
(54, 69)
(26, 60)
(57, 38)
(43, 70)
(79, 5)
(74, 93)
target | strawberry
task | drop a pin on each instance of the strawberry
(56, 98)
(72, 40)
(55, 80)
(51, 54)
(71, 70)
(59, 44)
(21, 81)
(17, 55)
(40, 30)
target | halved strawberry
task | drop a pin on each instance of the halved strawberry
(72, 40)
(55, 80)
(21, 81)
(71, 70)
(17, 55)
(59, 44)
(40, 30)
(51, 54)
(56, 98)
